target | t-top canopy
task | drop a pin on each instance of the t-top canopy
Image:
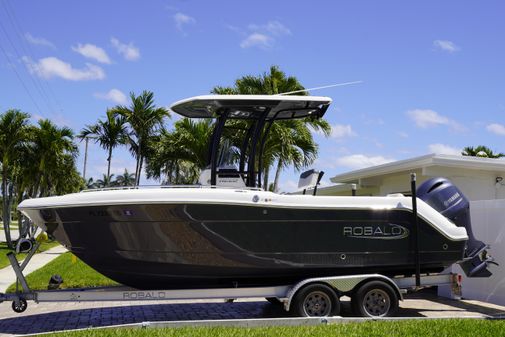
(252, 106)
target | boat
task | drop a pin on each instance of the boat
(228, 231)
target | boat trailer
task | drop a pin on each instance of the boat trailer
(372, 295)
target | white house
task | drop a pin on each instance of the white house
(480, 179)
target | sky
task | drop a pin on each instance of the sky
(432, 72)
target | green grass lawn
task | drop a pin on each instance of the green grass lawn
(4, 261)
(75, 274)
(411, 328)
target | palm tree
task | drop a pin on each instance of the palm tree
(289, 142)
(180, 155)
(125, 179)
(109, 133)
(272, 83)
(13, 138)
(105, 181)
(66, 178)
(90, 183)
(481, 151)
(53, 151)
(145, 120)
(294, 145)
(46, 164)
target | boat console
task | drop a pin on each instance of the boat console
(258, 112)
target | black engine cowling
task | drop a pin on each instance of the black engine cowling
(446, 198)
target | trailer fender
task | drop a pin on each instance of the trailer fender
(341, 285)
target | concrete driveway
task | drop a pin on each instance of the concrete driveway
(14, 234)
(65, 316)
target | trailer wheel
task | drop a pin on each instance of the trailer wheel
(19, 305)
(375, 299)
(315, 300)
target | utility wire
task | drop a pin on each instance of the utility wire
(19, 78)
(38, 87)
(28, 49)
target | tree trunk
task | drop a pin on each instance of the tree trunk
(137, 170)
(277, 175)
(177, 173)
(265, 178)
(140, 169)
(35, 187)
(22, 225)
(6, 210)
(108, 165)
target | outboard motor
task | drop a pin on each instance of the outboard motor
(448, 200)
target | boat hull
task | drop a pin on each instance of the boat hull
(182, 245)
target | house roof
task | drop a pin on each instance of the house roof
(464, 162)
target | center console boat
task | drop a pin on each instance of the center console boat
(230, 232)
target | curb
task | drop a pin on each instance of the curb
(260, 322)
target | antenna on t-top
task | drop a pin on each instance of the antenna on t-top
(317, 88)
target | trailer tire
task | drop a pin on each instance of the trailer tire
(20, 305)
(375, 299)
(315, 300)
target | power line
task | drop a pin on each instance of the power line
(27, 47)
(19, 78)
(35, 84)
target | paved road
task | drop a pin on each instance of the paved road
(64, 316)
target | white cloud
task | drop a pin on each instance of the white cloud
(264, 36)
(129, 51)
(57, 118)
(93, 52)
(425, 118)
(257, 40)
(446, 45)
(368, 120)
(49, 67)
(444, 149)
(273, 27)
(403, 134)
(358, 161)
(340, 131)
(234, 29)
(182, 20)
(39, 41)
(114, 95)
(288, 186)
(496, 128)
